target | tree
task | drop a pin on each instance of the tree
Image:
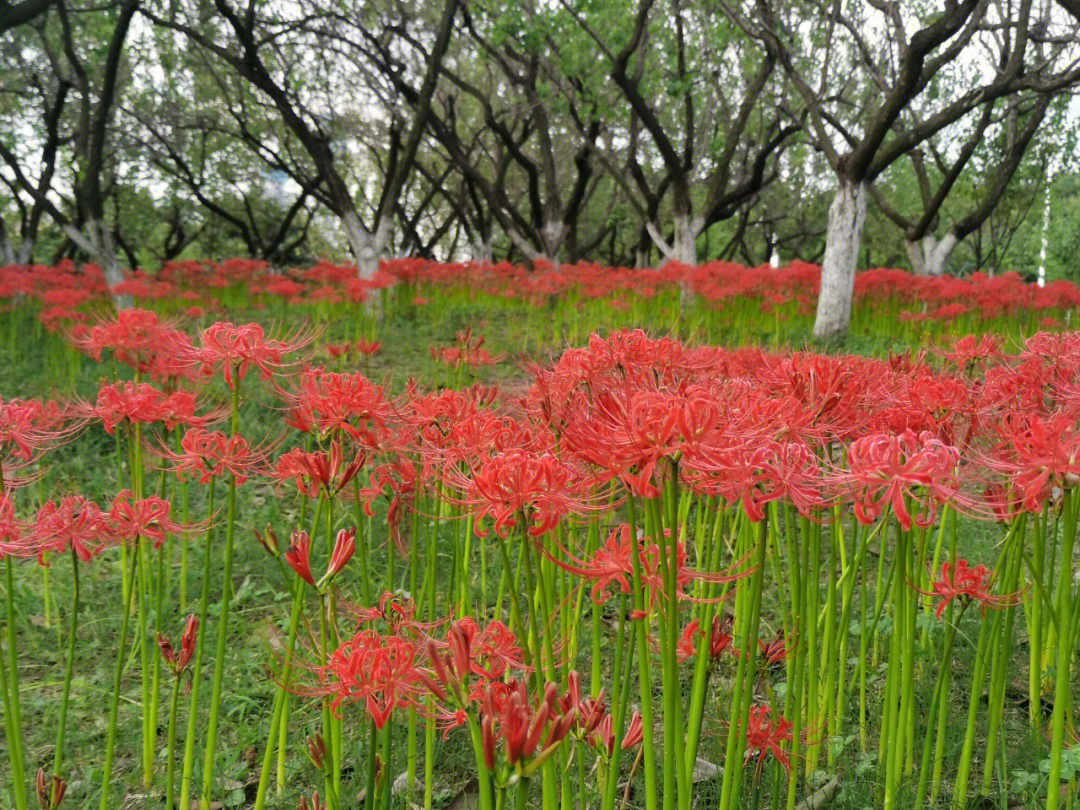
(862, 127)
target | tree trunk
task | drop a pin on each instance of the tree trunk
(847, 214)
(928, 255)
(7, 251)
(367, 247)
(97, 243)
(684, 242)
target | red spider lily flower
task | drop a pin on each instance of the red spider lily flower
(720, 638)
(316, 803)
(589, 712)
(767, 735)
(332, 404)
(213, 454)
(179, 663)
(337, 350)
(182, 408)
(139, 339)
(299, 556)
(467, 352)
(1038, 454)
(316, 747)
(605, 735)
(11, 528)
(268, 539)
(507, 715)
(514, 483)
(232, 351)
(344, 548)
(969, 584)
(883, 471)
(367, 347)
(50, 792)
(775, 651)
(28, 427)
(70, 523)
(969, 351)
(375, 670)
(1005, 502)
(319, 472)
(134, 403)
(131, 519)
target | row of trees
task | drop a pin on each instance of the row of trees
(632, 131)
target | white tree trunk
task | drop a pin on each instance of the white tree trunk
(928, 255)
(97, 241)
(482, 252)
(367, 247)
(7, 251)
(684, 242)
(847, 215)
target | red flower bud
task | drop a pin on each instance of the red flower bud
(317, 750)
(344, 548)
(299, 556)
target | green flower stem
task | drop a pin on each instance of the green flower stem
(280, 697)
(9, 671)
(196, 669)
(223, 629)
(641, 616)
(170, 766)
(114, 706)
(1062, 698)
(69, 667)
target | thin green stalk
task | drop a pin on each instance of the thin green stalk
(69, 667)
(114, 706)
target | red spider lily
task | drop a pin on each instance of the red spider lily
(514, 483)
(403, 478)
(719, 639)
(232, 351)
(589, 712)
(775, 651)
(378, 671)
(395, 612)
(969, 584)
(319, 472)
(268, 539)
(50, 792)
(179, 663)
(968, 351)
(212, 454)
(884, 471)
(612, 564)
(489, 652)
(367, 347)
(71, 523)
(1038, 454)
(332, 404)
(316, 747)
(139, 339)
(344, 548)
(131, 519)
(29, 427)
(767, 735)
(316, 803)
(11, 528)
(299, 556)
(507, 715)
(604, 738)
(467, 352)
(134, 403)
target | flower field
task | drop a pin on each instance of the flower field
(466, 535)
